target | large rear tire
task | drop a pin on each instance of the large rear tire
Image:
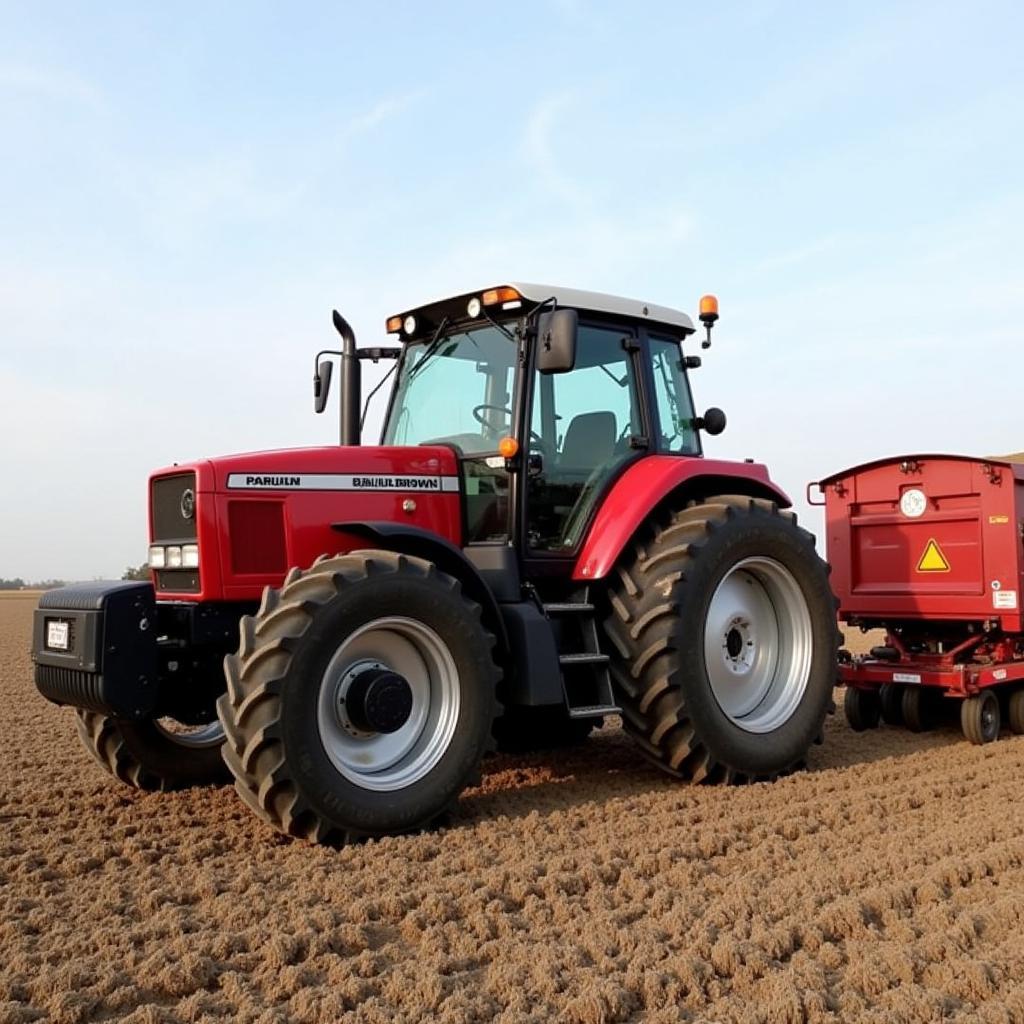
(361, 700)
(151, 755)
(724, 641)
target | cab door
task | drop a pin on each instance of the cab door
(585, 427)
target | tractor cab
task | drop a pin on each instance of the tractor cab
(546, 395)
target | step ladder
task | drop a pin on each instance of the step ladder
(586, 680)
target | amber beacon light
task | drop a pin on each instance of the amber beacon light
(708, 316)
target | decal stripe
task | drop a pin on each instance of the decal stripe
(284, 481)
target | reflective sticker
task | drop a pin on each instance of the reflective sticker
(932, 560)
(1004, 599)
(906, 677)
(996, 520)
(999, 673)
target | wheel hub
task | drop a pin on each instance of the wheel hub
(389, 703)
(738, 646)
(378, 700)
(757, 644)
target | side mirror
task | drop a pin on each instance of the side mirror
(322, 385)
(712, 422)
(556, 341)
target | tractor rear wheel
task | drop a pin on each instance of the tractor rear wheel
(361, 700)
(980, 718)
(723, 640)
(863, 708)
(154, 755)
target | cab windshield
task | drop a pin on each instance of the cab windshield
(457, 392)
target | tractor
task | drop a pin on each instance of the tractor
(536, 543)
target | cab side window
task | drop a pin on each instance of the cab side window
(677, 433)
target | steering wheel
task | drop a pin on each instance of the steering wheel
(479, 409)
(477, 415)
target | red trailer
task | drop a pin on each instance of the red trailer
(930, 549)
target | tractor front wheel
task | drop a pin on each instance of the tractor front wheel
(361, 700)
(154, 755)
(724, 641)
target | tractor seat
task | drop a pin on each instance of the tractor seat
(589, 442)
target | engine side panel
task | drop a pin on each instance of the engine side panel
(259, 514)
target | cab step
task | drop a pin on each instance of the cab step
(569, 608)
(594, 711)
(583, 658)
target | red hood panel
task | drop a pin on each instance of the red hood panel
(261, 513)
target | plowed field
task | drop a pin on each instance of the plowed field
(884, 884)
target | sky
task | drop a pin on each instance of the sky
(188, 190)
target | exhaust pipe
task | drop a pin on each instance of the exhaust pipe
(351, 382)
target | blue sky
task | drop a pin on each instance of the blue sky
(188, 192)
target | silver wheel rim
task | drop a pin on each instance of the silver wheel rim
(211, 735)
(389, 761)
(758, 644)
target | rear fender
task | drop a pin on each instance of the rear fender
(654, 482)
(411, 540)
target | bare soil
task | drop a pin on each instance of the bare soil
(886, 883)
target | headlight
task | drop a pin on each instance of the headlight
(190, 556)
(173, 554)
(156, 557)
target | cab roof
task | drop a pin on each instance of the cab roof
(531, 294)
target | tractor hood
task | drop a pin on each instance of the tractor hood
(231, 526)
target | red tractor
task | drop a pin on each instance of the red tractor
(536, 543)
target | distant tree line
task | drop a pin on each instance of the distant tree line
(132, 572)
(19, 584)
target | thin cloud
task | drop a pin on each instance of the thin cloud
(386, 109)
(539, 146)
(56, 84)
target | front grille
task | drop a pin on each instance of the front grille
(166, 521)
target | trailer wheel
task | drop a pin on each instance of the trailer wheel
(522, 729)
(723, 641)
(154, 755)
(361, 700)
(1016, 711)
(980, 718)
(891, 696)
(863, 708)
(916, 709)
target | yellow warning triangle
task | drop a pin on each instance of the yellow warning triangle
(933, 560)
